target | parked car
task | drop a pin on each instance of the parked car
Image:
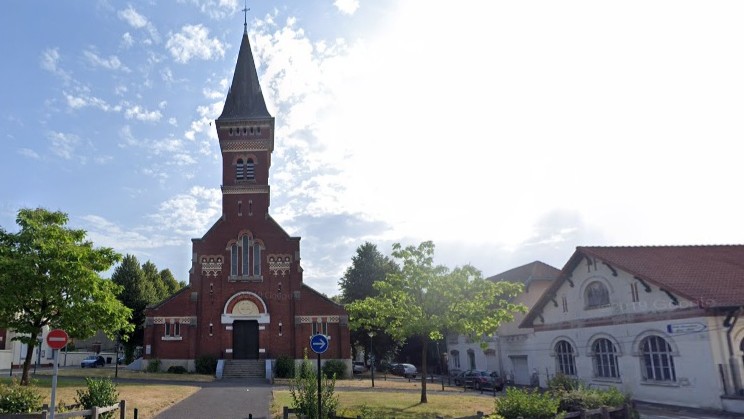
(481, 379)
(404, 370)
(459, 377)
(93, 361)
(358, 367)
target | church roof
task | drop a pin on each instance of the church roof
(535, 271)
(244, 99)
(712, 275)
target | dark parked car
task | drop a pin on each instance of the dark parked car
(480, 379)
(93, 361)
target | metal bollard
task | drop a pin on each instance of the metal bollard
(136, 412)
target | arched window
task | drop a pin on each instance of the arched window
(234, 259)
(564, 358)
(658, 363)
(246, 244)
(605, 359)
(596, 295)
(256, 259)
(455, 358)
(250, 170)
(239, 174)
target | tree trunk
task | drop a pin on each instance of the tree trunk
(27, 362)
(425, 344)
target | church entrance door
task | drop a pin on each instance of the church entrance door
(245, 339)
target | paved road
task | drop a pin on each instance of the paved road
(225, 399)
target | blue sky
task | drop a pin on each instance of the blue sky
(505, 132)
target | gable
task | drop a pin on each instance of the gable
(639, 281)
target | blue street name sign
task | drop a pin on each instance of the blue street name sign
(319, 343)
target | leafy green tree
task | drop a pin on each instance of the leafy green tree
(427, 301)
(367, 267)
(49, 276)
(143, 285)
(170, 283)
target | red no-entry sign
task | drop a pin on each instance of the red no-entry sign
(57, 339)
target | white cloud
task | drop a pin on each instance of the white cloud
(111, 63)
(142, 114)
(27, 152)
(190, 214)
(63, 145)
(127, 41)
(83, 99)
(138, 21)
(133, 18)
(217, 9)
(193, 42)
(347, 6)
(50, 62)
(173, 121)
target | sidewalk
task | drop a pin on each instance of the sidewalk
(225, 399)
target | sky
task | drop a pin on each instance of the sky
(505, 132)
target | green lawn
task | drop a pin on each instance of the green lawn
(398, 404)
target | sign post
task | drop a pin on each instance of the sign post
(56, 339)
(319, 344)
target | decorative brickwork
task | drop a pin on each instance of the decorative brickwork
(279, 264)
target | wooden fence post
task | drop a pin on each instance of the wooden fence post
(285, 413)
(123, 409)
(605, 412)
(94, 412)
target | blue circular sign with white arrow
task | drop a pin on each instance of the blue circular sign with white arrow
(319, 343)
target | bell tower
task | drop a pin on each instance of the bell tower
(246, 135)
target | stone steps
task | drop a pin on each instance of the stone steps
(244, 368)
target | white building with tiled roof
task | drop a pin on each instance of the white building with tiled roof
(661, 323)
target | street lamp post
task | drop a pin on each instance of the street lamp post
(371, 358)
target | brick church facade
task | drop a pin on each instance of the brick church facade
(246, 298)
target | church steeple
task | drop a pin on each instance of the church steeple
(244, 99)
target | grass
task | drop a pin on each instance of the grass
(399, 399)
(148, 398)
(109, 372)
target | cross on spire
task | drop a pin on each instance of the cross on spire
(245, 17)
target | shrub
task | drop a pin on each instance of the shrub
(285, 367)
(206, 364)
(527, 404)
(564, 382)
(15, 398)
(304, 392)
(101, 392)
(334, 368)
(177, 369)
(153, 365)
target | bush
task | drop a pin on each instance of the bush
(527, 404)
(206, 364)
(101, 392)
(177, 369)
(333, 368)
(584, 398)
(285, 367)
(304, 392)
(15, 398)
(563, 382)
(153, 365)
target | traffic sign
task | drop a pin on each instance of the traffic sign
(319, 343)
(57, 339)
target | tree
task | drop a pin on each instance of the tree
(367, 267)
(428, 301)
(49, 276)
(143, 285)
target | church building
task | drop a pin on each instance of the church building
(246, 299)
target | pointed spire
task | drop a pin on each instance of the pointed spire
(245, 99)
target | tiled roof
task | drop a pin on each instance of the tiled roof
(711, 275)
(535, 271)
